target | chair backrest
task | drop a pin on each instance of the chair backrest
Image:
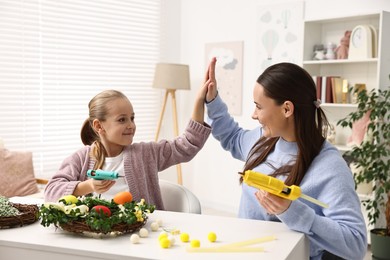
(178, 198)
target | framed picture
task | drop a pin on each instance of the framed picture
(279, 33)
(228, 72)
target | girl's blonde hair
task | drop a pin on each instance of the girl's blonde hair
(98, 110)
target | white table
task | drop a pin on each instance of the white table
(37, 242)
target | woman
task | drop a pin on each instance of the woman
(290, 145)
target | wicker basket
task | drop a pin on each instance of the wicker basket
(80, 227)
(28, 215)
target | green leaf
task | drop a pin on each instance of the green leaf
(98, 221)
(372, 155)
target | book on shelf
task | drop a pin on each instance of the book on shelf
(332, 89)
(328, 89)
(323, 89)
(340, 91)
(337, 86)
(317, 80)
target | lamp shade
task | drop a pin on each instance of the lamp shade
(171, 76)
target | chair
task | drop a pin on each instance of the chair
(41, 181)
(178, 198)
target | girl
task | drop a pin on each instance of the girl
(108, 137)
(289, 144)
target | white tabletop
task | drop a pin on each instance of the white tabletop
(37, 242)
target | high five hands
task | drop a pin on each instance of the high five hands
(210, 83)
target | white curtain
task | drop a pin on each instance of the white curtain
(56, 55)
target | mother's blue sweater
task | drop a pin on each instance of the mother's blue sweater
(339, 229)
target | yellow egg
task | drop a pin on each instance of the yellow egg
(165, 243)
(212, 237)
(184, 237)
(56, 205)
(69, 199)
(195, 243)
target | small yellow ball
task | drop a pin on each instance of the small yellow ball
(195, 243)
(184, 237)
(212, 237)
(162, 235)
(165, 242)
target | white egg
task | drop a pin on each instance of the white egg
(172, 239)
(143, 232)
(159, 222)
(134, 239)
(154, 226)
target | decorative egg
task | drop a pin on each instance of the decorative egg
(154, 226)
(143, 232)
(103, 209)
(134, 238)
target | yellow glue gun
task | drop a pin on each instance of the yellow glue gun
(277, 187)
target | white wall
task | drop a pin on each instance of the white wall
(212, 175)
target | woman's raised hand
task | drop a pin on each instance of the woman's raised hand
(207, 92)
(210, 83)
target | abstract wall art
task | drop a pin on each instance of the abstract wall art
(228, 72)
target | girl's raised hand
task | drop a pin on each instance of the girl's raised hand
(207, 92)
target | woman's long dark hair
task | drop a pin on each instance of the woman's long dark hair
(289, 82)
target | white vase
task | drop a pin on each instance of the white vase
(330, 55)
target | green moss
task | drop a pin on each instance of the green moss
(6, 209)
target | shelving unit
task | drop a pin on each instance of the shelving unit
(372, 71)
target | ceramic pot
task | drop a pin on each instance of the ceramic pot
(380, 244)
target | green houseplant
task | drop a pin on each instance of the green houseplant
(372, 159)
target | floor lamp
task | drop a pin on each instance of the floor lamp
(171, 77)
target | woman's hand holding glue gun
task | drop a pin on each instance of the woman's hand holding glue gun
(277, 187)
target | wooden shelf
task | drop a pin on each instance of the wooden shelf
(373, 72)
(345, 61)
(339, 105)
(343, 148)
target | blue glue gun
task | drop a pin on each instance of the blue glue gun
(102, 175)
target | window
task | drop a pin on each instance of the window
(56, 55)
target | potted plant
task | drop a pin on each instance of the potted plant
(372, 159)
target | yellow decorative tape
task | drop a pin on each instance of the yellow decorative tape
(224, 249)
(250, 242)
(238, 247)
